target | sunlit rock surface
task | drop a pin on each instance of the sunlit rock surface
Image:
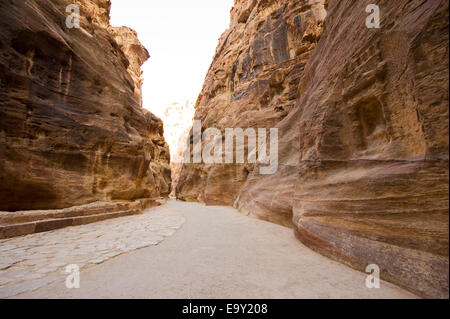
(363, 126)
(253, 82)
(373, 121)
(72, 128)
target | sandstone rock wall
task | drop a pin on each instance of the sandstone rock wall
(72, 127)
(363, 126)
(373, 119)
(253, 83)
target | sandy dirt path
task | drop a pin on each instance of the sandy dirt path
(219, 253)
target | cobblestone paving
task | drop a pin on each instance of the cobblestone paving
(30, 262)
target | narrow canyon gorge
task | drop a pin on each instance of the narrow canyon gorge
(363, 130)
(362, 119)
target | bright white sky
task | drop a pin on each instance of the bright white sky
(181, 36)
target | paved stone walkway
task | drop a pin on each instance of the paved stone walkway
(33, 261)
(217, 253)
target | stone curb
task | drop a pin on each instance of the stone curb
(74, 216)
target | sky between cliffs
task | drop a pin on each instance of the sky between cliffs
(181, 37)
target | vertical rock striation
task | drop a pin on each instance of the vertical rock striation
(372, 112)
(363, 127)
(72, 126)
(253, 83)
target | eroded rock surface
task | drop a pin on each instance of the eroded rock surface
(253, 83)
(72, 127)
(363, 126)
(373, 120)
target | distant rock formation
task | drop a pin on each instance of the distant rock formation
(72, 126)
(363, 126)
(177, 119)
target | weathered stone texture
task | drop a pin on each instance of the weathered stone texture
(373, 118)
(72, 127)
(253, 83)
(20, 223)
(363, 125)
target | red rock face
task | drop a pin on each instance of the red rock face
(363, 126)
(373, 118)
(72, 128)
(253, 83)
